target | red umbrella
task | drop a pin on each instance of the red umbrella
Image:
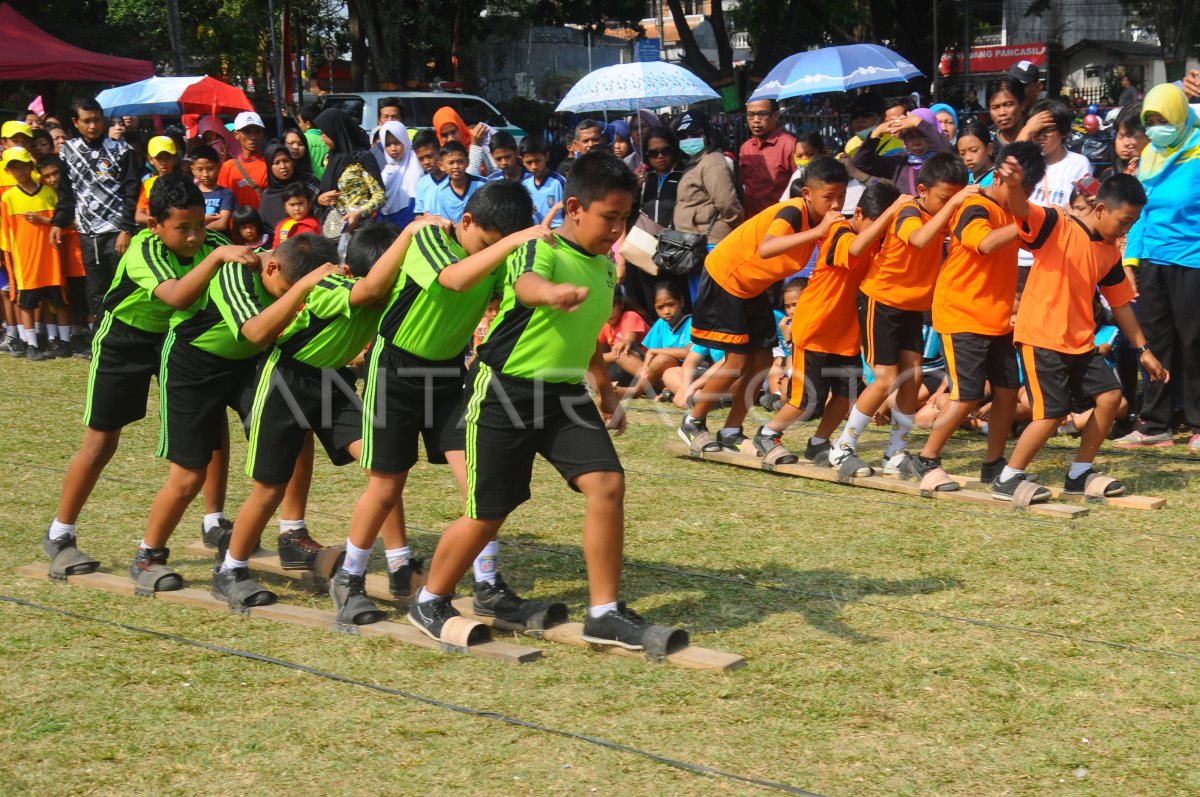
(174, 95)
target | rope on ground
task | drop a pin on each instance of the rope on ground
(696, 769)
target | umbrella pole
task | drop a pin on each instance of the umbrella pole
(275, 68)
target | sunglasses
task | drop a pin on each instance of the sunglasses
(658, 153)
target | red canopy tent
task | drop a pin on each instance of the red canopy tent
(29, 53)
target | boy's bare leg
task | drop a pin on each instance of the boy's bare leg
(382, 496)
(909, 381)
(1031, 442)
(216, 478)
(603, 533)
(723, 376)
(757, 364)
(1094, 432)
(84, 471)
(181, 488)
(295, 498)
(253, 517)
(835, 412)
(1000, 422)
(456, 551)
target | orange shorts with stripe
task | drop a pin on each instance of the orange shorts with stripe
(1060, 384)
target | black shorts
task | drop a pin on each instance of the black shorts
(731, 324)
(290, 400)
(818, 375)
(405, 398)
(973, 360)
(1060, 384)
(32, 298)
(195, 389)
(124, 358)
(77, 298)
(887, 330)
(509, 421)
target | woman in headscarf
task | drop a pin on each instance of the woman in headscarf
(1165, 247)
(282, 172)
(400, 170)
(297, 145)
(947, 120)
(449, 126)
(922, 138)
(216, 135)
(352, 186)
(621, 140)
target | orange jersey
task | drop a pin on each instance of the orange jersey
(826, 317)
(735, 264)
(900, 275)
(1069, 262)
(35, 263)
(70, 254)
(975, 292)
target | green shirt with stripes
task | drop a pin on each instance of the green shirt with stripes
(328, 332)
(540, 342)
(146, 264)
(214, 323)
(424, 318)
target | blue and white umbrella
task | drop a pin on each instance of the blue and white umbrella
(627, 87)
(834, 69)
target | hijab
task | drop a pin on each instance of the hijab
(350, 146)
(270, 205)
(939, 108)
(400, 176)
(1168, 101)
(211, 124)
(620, 129)
(446, 116)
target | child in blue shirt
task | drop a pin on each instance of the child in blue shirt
(544, 186)
(666, 343)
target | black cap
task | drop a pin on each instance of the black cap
(1025, 72)
(691, 121)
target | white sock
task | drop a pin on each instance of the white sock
(901, 425)
(425, 596)
(729, 430)
(769, 431)
(59, 530)
(397, 557)
(486, 563)
(30, 337)
(818, 441)
(692, 419)
(601, 610)
(1078, 469)
(290, 525)
(41, 326)
(356, 559)
(1008, 473)
(143, 545)
(854, 427)
(230, 563)
(64, 333)
(11, 331)
(51, 332)
(212, 520)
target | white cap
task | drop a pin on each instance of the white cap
(246, 119)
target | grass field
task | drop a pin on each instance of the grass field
(896, 646)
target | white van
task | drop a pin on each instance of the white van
(417, 108)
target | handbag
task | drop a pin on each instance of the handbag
(640, 244)
(680, 252)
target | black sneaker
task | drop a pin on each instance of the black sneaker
(1003, 490)
(81, 347)
(149, 572)
(621, 626)
(732, 442)
(814, 450)
(697, 436)
(497, 600)
(990, 471)
(431, 616)
(297, 550)
(915, 466)
(65, 557)
(218, 536)
(235, 587)
(62, 350)
(7, 343)
(1078, 485)
(400, 581)
(349, 593)
(36, 355)
(770, 450)
(18, 348)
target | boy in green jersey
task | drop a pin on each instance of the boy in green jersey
(165, 268)
(528, 397)
(208, 364)
(414, 380)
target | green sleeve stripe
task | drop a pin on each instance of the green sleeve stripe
(214, 239)
(429, 251)
(234, 288)
(439, 241)
(152, 255)
(530, 257)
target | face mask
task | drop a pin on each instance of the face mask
(1162, 135)
(803, 161)
(694, 146)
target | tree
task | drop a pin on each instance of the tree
(1177, 26)
(692, 56)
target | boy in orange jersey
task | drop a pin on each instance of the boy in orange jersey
(972, 311)
(71, 256)
(1055, 328)
(824, 333)
(892, 301)
(732, 312)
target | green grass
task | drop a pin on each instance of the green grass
(859, 681)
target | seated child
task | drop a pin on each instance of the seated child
(619, 342)
(666, 343)
(685, 380)
(297, 204)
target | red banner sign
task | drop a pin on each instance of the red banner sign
(995, 59)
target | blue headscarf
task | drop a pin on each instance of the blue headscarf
(941, 106)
